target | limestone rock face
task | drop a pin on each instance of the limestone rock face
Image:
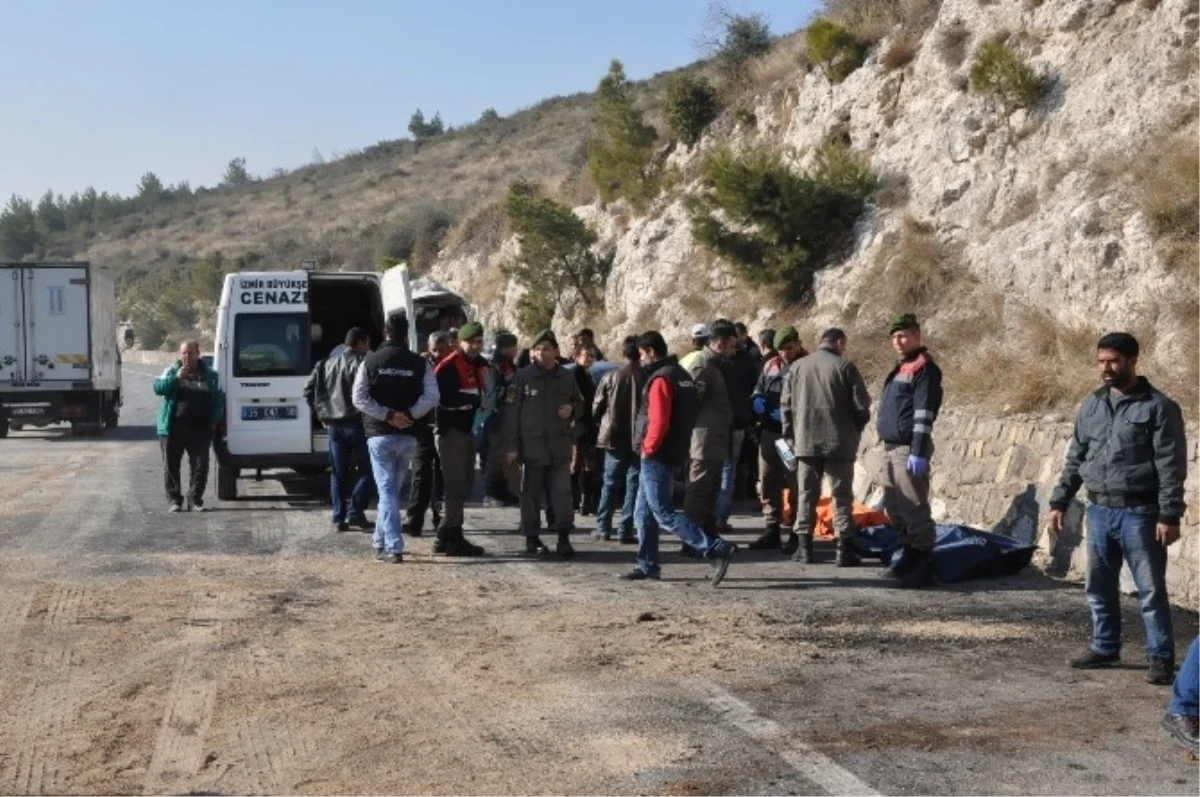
(1028, 199)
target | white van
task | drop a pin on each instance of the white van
(272, 328)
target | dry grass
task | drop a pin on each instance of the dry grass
(899, 54)
(1166, 185)
(892, 190)
(872, 20)
(788, 57)
(952, 43)
(911, 272)
(1022, 206)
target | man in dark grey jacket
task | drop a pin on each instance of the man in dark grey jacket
(712, 436)
(825, 409)
(330, 394)
(1129, 451)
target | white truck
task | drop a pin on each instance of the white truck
(273, 327)
(59, 358)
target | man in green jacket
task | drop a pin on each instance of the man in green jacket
(825, 407)
(192, 406)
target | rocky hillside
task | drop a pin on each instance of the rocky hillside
(1018, 236)
(1017, 233)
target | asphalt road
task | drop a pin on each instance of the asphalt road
(251, 650)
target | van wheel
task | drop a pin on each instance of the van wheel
(227, 483)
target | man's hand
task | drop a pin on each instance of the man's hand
(400, 420)
(510, 459)
(184, 372)
(1056, 520)
(564, 411)
(1166, 533)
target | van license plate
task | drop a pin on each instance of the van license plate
(285, 412)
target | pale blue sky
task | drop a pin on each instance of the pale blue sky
(97, 93)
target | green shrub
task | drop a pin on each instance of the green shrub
(150, 331)
(835, 49)
(744, 38)
(691, 105)
(556, 255)
(620, 157)
(745, 117)
(774, 225)
(1000, 73)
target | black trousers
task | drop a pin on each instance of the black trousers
(427, 487)
(196, 442)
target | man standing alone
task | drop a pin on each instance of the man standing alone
(825, 409)
(461, 378)
(192, 404)
(912, 397)
(1129, 451)
(330, 393)
(393, 389)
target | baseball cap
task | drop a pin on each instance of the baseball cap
(701, 331)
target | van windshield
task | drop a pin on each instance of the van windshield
(271, 344)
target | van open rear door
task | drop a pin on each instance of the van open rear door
(397, 296)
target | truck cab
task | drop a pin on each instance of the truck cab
(272, 330)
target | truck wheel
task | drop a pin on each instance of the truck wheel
(227, 483)
(111, 416)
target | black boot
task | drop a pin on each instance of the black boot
(441, 540)
(457, 545)
(920, 575)
(793, 543)
(901, 562)
(804, 550)
(690, 552)
(770, 540)
(535, 547)
(847, 554)
(564, 548)
(411, 528)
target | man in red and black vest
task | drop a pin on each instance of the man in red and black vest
(663, 435)
(461, 381)
(912, 397)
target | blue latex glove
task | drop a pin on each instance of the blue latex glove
(918, 466)
(777, 415)
(759, 405)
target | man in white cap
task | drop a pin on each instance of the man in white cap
(700, 335)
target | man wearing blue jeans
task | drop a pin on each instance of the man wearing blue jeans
(1129, 451)
(1182, 720)
(663, 433)
(329, 393)
(394, 389)
(614, 409)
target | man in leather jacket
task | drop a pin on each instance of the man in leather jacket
(329, 393)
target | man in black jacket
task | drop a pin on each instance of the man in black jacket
(394, 388)
(912, 397)
(1129, 451)
(615, 409)
(427, 483)
(330, 394)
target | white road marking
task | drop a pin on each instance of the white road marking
(812, 764)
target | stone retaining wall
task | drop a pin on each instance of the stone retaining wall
(997, 474)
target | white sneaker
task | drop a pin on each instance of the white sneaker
(175, 508)
(198, 506)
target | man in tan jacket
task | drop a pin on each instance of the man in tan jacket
(712, 435)
(825, 409)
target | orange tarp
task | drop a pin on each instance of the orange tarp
(863, 515)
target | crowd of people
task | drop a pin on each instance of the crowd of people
(664, 441)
